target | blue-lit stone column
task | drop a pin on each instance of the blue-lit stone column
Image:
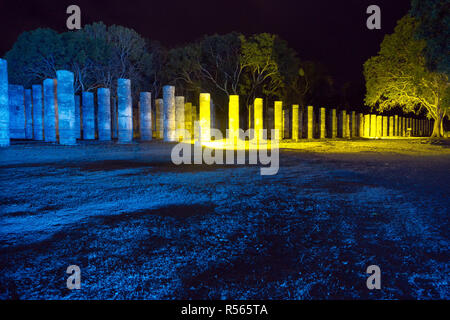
(125, 112)
(28, 115)
(16, 112)
(104, 114)
(66, 107)
(38, 125)
(145, 116)
(50, 107)
(87, 103)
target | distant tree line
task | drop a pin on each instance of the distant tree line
(261, 65)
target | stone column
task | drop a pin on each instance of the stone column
(28, 115)
(396, 129)
(66, 107)
(310, 123)
(195, 127)
(159, 106)
(205, 117)
(50, 110)
(361, 124)
(124, 111)
(379, 126)
(233, 118)
(347, 126)
(188, 117)
(333, 122)
(295, 122)
(391, 126)
(16, 98)
(38, 124)
(258, 112)
(322, 123)
(4, 104)
(367, 125)
(353, 120)
(278, 117)
(169, 113)
(402, 120)
(77, 117)
(343, 124)
(179, 117)
(373, 125)
(104, 114)
(385, 126)
(145, 116)
(87, 102)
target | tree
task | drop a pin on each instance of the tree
(35, 55)
(398, 76)
(270, 67)
(434, 29)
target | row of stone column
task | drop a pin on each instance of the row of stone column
(52, 113)
(346, 125)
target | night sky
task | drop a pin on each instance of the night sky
(332, 32)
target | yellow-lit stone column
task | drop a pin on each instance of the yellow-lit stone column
(347, 126)
(366, 125)
(379, 126)
(343, 121)
(233, 119)
(258, 112)
(195, 127)
(373, 125)
(310, 123)
(295, 122)
(396, 130)
(391, 126)
(403, 127)
(205, 117)
(188, 117)
(385, 126)
(353, 120)
(159, 118)
(278, 117)
(322, 123)
(361, 124)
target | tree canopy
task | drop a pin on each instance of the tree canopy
(260, 65)
(398, 76)
(434, 28)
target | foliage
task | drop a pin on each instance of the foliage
(434, 28)
(98, 55)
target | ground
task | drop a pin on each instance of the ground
(140, 227)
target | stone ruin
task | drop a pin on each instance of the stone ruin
(52, 112)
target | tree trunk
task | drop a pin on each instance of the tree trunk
(438, 131)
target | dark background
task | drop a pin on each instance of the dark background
(333, 32)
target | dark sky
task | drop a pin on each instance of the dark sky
(331, 31)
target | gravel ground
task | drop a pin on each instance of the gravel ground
(140, 227)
